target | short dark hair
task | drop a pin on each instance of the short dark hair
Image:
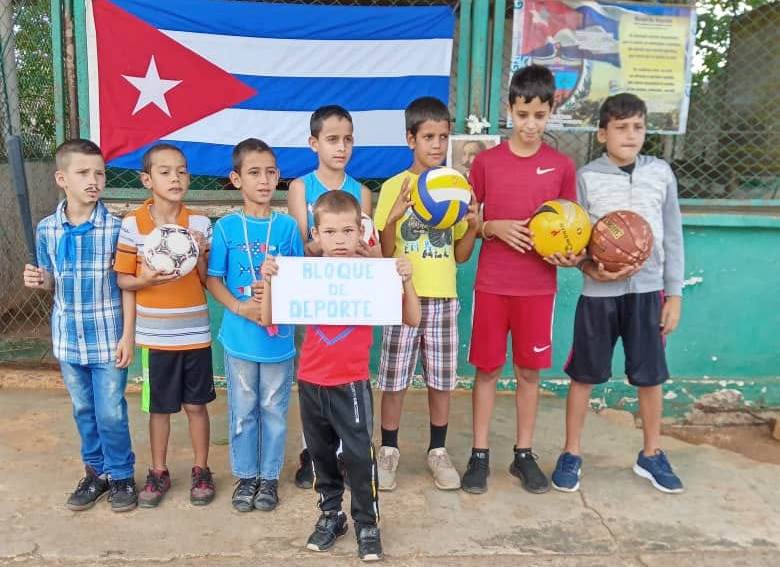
(425, 108)
(336, 202)
(320, 115)
(247, 146)
(621, 106)
(76, 146)
(146, 161)
(534, 81)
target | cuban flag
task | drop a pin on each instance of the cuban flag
(206, 74)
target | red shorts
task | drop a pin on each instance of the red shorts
(528, 317)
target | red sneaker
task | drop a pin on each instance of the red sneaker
(202, 491)
(157, 484)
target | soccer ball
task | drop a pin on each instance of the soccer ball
(560, 226)
(441, 197)
(171, 249)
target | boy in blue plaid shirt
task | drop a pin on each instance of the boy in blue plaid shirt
(91, 338)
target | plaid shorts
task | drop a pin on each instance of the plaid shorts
(437, 337)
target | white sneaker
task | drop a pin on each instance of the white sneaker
(445, 477)
(387, 465)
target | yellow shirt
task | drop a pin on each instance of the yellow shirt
(431, 251)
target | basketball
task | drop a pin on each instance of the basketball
(441, 197)
(170, 249)
(620, 239)
(561, 227)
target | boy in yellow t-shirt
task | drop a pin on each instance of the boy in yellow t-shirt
(434, 254)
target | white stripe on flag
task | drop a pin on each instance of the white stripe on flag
(288, 129)
(269, 57)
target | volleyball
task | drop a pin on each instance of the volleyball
(441, 197)
(561, 227)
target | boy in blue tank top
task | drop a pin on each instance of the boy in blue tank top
(332, 140)
(258, 360)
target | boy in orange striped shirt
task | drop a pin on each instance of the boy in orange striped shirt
(172, 324)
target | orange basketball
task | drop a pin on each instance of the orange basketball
(620, 239)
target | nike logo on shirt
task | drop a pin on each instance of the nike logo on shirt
(541, 349)
(540, 171)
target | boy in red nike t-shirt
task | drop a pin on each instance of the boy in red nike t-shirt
(515, 288)
(334, 392)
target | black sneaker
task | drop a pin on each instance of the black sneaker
(244, 494)
(304, 476)
(369, 542)
(89, 490)
(328, 528)
(477, 472)
(267, 498)
(342, 466)
(123, 495)
(525, 468)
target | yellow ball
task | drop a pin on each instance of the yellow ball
(560, 226)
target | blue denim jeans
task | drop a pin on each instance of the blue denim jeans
(97, 392)
(258, 400)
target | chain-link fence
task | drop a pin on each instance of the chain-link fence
(26, 109)
(731, 149)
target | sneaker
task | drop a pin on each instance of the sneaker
(202, 491)
(567, 473)
(267, 497)
(328, 528)
(477, 473)
(342, 466)
(304, 476)
(89, 490)
(525, 468)
(369, 542)
(445, 477)
(244, 494)
(659, 472)
(122, 495)
(388, 463)
(157, 484)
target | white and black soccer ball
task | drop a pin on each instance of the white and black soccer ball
(171, 249)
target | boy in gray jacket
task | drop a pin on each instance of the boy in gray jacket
(641, 305)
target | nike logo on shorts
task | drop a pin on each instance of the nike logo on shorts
(541, 349)
(540, 171)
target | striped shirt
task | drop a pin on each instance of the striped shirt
(86, 321)
(173, 315)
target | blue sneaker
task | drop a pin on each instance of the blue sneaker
(567, 473)
(659, 472)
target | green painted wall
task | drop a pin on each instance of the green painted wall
(728, 332)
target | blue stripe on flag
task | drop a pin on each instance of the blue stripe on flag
(215, 159)
(307, 93)
(292, 21)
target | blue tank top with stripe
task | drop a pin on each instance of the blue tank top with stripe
(315, 188)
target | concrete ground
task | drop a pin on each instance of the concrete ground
(729, 515)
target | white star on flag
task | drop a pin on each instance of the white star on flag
(151, 89)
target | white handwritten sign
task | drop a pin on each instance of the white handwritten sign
(336, 291)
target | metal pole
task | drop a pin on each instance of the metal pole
(82, 65)
(497, 65)
(479, 49)
(70, 72)
(464, 64)
(59, 74)
(13, 146)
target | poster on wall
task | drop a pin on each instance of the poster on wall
(599, 49)
(464, 148)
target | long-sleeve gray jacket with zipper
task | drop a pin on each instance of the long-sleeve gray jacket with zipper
(650, 191)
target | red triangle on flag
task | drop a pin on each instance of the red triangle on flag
(150, 85)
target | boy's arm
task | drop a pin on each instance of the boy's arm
(366, 198)
(296, 208)
(674, 258)
(125, 348)
(269, 269)
(147, 277)
(465, 240)
(411, 312)
(387, 224)
(39, 277)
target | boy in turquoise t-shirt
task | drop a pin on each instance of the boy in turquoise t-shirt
(258, 360)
